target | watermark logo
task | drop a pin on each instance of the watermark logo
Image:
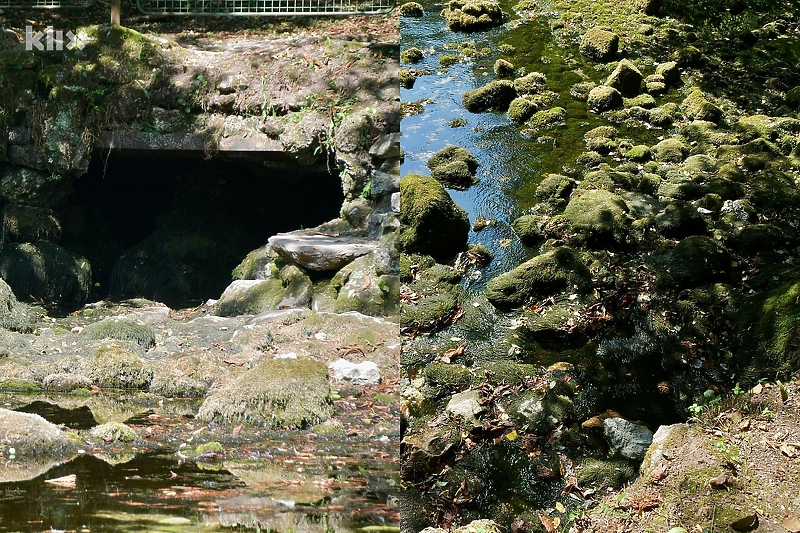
(51, 39)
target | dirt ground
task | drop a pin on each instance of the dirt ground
(736, 468)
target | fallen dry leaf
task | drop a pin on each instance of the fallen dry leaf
(547, 523)
(757, 389)
(719, 482)
(454, 353)
(788, 450)
(792, 524)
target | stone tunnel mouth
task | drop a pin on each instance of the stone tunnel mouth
(171, 228)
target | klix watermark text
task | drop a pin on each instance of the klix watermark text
(51, 39)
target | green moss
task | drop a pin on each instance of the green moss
(451, 154)
(555, 189)
(438, 295)
(408, 76)
(443, 380)
(603, 98)
(521, 109)
(472, 15)
(548, 117)
(494, 96)
(644, 101)
(598, 217)
(276, 393)
(431, 223)
(639, 153)
(113, 432)
(114, 367)
(532, 83)
(448, 60)
(695, 261)
(530, 228)
(669, 72)
(455, 175)
(697, 107)
(412, 55)
(540, 277)
(122, 330)
(601, 473)
(663, 116)
(20, 386)
(209, 447)
(503, 68)
(626, 78)
(671, 150)
(599, 44)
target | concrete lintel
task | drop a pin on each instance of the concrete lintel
(182, 142)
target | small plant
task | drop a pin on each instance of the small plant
(367, 191)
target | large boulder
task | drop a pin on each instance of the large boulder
(362, 287)
(626, 78)
(627, 439)
(694, 261)
(32, 435)
(24, 223)
(46, 273)
(276, 393)
(431, 223)
(317, 251)
(15, 316)
(544, 275)
(598, 217)
(600, 44)
(114, 367)
(602, 98)
(494, 96)
(290, 288)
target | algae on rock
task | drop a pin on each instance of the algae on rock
(276, 393)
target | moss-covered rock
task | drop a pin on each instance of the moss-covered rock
(695, 261)
(532, 83)
(14, 315)
(669, 72)
(643, 101)
(24, 223)
(639, 153)
(626, 78)
(412, 55)
(688, 56)
(599, 44)
(47, 273)
(472, 15)
(361, 288)
(123, 330)
(601, 473)
(503, 68)
(276, 393)
(431, 223)
(443, 380)
(663, 116)
(530, 228)
(411, 9)
(597, 217)
(555, 189)
(494, 96)
(114, 367)
(540, 277)
(521, 109)
(548, 117)
(436, 298)
(455, 175)
(258, 264)
(697, 107)
(680, 219)
(34, 436)
(755, 238)
(603, 98)
(113, 432)
(670, 150)
(453, 166)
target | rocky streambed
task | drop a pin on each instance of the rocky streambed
(599, 236)
(195, 340)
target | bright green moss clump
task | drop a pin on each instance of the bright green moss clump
(494, 96)
(122, 330)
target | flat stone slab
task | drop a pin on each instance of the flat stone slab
(317, 251)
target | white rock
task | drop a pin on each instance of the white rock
(626, 438)
(320, 252)
(364, 373)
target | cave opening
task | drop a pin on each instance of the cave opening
(172, 228)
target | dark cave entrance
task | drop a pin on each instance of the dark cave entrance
(172, 229)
